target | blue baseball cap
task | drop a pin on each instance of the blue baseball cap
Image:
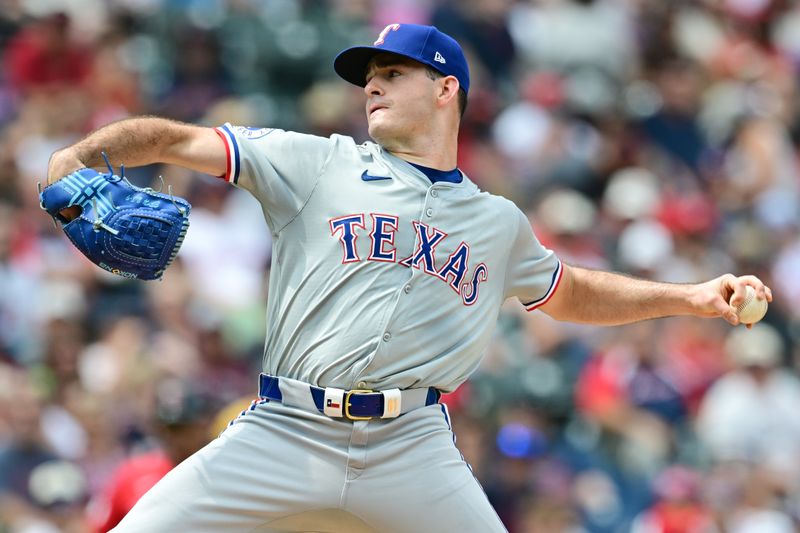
(425, 44)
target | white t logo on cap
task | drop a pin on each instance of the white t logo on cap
(438, 57)
(387, 29)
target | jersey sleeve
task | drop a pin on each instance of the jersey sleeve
(280, 168)
(534, 271)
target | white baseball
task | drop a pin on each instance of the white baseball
(752, 309)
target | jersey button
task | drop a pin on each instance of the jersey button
(387, 336)
(407, 289)
(361, 384)
(429, 212)
(434, 193)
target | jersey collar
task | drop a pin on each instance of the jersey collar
(466, 185)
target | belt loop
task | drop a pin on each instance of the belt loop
(392, 403)
(297, 394)
(333, 402)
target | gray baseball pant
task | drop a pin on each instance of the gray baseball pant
(284, 468)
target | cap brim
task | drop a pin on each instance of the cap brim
(351, 64)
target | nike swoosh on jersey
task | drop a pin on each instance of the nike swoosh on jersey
(369, 177)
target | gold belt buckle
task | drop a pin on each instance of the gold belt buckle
(347, 403)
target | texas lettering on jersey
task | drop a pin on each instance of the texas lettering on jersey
(453, 272)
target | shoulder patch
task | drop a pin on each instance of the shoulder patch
(253, 133)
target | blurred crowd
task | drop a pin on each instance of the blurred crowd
(653, 137)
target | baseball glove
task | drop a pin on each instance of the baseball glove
(124, 229)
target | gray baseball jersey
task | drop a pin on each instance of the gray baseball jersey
(379, 280)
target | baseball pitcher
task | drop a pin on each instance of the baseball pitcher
(389, 268)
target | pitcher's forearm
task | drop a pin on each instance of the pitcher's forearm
(142, 141)
(134, 142)
(619, 299)
(606, 298)
(610, 298)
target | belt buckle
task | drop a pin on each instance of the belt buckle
(347, 403)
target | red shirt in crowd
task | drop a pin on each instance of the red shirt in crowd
(129, 482)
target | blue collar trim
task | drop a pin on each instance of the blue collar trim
(452, 176)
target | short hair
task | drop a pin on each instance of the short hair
(462, 94)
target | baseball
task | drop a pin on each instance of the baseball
(752, 309)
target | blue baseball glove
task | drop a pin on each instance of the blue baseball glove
(124, 229)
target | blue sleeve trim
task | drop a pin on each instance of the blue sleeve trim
(235, 159)
(554, 281)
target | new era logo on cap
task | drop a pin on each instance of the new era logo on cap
(425, 44)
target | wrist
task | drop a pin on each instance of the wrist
(690, 300)
(62, 163)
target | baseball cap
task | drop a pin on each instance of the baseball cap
(425, 44)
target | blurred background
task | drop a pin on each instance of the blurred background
(654, 137)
